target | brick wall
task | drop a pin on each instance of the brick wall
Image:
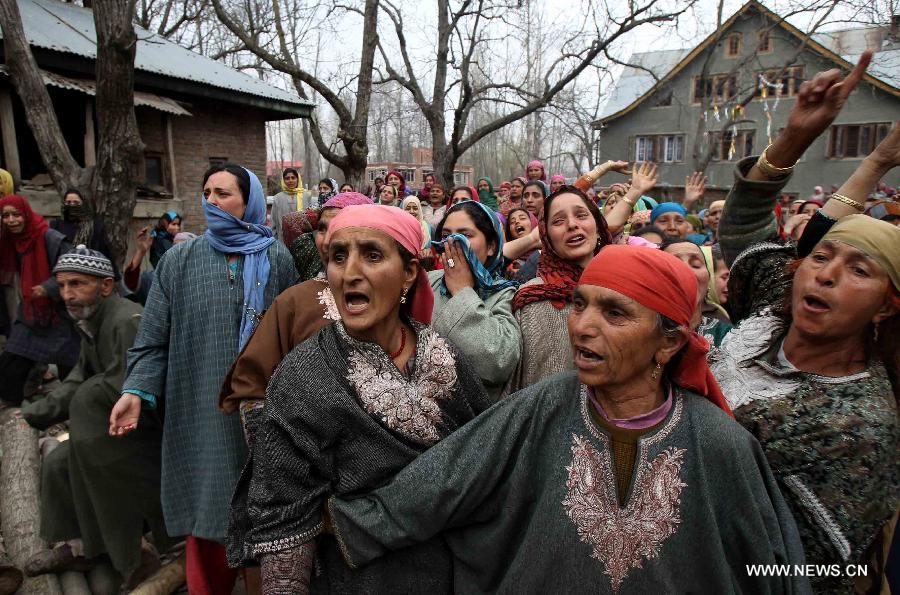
(214, 130)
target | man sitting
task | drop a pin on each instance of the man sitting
(97, 492)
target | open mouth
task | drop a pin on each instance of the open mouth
(519, 229)
(815, 304)
(576, 240)
(356, 302)
(585, 358)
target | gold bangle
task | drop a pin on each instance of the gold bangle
(848, 201)
(770, 170)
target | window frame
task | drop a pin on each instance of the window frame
(765, 34)
(723, 142)
(841, 134)
(656, 147)
(739, 37)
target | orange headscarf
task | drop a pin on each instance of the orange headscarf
(666, 285)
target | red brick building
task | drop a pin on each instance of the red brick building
(191, 112)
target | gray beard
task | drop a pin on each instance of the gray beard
(83, 312)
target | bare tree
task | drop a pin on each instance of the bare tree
(353, 121)
(109, 188)
(464, 27)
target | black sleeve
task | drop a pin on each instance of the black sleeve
(815, 230)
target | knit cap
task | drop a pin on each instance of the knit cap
(82, 259)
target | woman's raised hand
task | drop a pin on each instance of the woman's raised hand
(458, 276)
(644, 177)
(694, 188)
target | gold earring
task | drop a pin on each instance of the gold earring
(655, 374)
(403, 296)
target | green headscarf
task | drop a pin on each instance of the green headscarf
(487, 197)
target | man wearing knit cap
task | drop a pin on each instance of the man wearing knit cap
(97, 491)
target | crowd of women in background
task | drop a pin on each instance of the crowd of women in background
(528, 386)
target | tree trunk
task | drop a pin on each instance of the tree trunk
(10, 576)
(20, 495)
(120, 146)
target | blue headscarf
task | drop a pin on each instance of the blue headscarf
(488, 276)
(250, 237)
(667, 207)
(169, 216)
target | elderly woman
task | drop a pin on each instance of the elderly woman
(812, 368)
(572, 231)
(628, 476)
(473, 302)
(671, 217)
(347, 409)
(296, 315)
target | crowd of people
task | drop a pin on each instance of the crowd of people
(537, 386)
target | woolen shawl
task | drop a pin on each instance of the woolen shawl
(29, 244)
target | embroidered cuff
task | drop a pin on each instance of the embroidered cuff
(147, 398)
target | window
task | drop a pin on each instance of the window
(153, 170)
(765, 44)
(734, 44)
(855, 140)
(662, 148)
(790, 80)
(217, 161)
(720, 87)
(460, 178)
(743, 145)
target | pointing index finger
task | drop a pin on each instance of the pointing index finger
(857, 73)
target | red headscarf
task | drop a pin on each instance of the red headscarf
(35, 263)
(404, 228)
(401, 190)
(560, 276)
(666, 285)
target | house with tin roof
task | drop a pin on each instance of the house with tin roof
(708, 106)
(191, 111)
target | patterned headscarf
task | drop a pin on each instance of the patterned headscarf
(536, 163)
(28, 246)
(560, 276)
(295, 224)
(426, 230)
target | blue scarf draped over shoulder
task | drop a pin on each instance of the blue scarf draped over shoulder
(489, 275)
(251, 238)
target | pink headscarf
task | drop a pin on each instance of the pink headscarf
(537, 163)
(557, 177)
(404, 228)
(347, 199)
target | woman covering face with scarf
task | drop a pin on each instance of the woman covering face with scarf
(486, 193)
(328, 187)
(473, 302)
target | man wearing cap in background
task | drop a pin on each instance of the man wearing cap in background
(97, 491)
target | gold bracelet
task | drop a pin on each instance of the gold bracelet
(848, 201)
(770, 170)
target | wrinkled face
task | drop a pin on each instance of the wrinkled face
(386, 196)
(810, 209)
(572, 229)
(722, 276)
(713, 217)
(71, 200)
(838, 291)
(555, 185)
(436, 196)
(691, 255)
(82, 293)
(322, 228)
(519, 224)
(323, 188)
(674, 225)
(614, 339)
(459, 196)
(394, 181)
(516, 189)
(222, 190)
(534, 172)
(290, 180)
(412, 207)
(13, 220)
(533, 199)
(460, 222)
(367, 277)
(174, 226)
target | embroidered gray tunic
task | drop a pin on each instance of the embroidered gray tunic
(187, 340)
(526, 501)
(339, 418)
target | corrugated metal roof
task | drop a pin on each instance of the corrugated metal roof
(54, 25)
(636, 80)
